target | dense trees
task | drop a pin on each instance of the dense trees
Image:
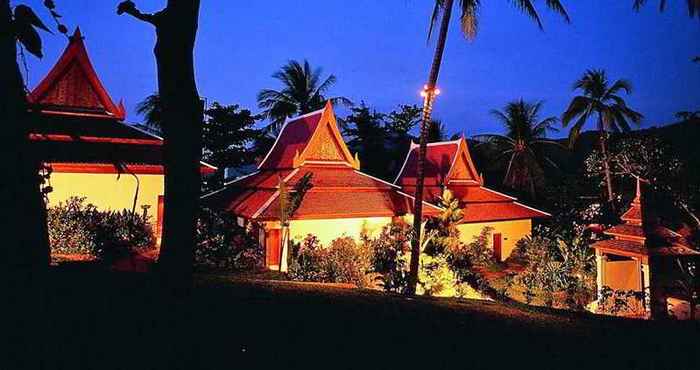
(600, 100)
(176, 30)
(303, 90)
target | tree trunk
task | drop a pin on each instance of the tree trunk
(23, 227)
(606, 168)
(425, 123)
(176, 30)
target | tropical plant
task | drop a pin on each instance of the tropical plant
(150, 109)
(77, 227)
(523, 144)
(390, 255)
(693, 6)
(600, 99)
(688, 284)
(303, 90)
(442, 12)
(223, 245)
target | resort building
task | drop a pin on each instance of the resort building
(343, 201)
(80, 134)
(449, 165)
(641, 256)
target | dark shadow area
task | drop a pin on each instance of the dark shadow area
(87, 319)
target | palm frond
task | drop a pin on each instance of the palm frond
(528, 8)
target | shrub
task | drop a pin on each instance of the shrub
(478, 250)
(348, 262)
(391, 252)
(223, 245)
(344, 261)
(435, 277)
(79, 228)
(307, 260)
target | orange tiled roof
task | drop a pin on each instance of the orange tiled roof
(450, 164)
(311, 144)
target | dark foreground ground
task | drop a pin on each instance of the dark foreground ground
(119, 321)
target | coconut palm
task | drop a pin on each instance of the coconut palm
(523, 143)
(150, 109)
(600, 100)
(303, 91)
(442, 12)
(693, 6)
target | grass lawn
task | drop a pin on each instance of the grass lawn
(96, 320)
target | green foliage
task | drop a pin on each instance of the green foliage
(223, 245)
(557, 263)
(441, 231)
(307, 260)
(391, 251)
(366, 133)
(620, 302)
(522, 148)
(76, 227)
(303, 91)
(343, 261)
(435, 277)
(227, 134)
(478, 251)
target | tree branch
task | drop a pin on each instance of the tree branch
(129, 7)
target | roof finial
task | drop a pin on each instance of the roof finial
(77, 35)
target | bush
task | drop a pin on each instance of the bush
(391, 252)
(79, 228)
(344, 261)
(435, 277)
(478, 250)
(223, 245)
(307, 260)
(348, 262)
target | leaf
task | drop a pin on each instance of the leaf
(25, 15)
(27, 35)
(49, 4)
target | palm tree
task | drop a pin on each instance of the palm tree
(693, 6)
(469, 24)
(600, 99)
(523, 143)
(150, 109)
(303, 91)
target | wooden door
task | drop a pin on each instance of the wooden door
(272, 247)
(497, 247)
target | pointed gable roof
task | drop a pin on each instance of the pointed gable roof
(312, 144)
(312, 138)
(446, 161)
(73, 87)
(449, 164)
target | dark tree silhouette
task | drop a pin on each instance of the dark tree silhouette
(176, 30)
(23, 227)
(303, 91)
(367, 136)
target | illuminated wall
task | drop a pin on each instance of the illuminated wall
(106, 191)
(511, 232)
(328, 230)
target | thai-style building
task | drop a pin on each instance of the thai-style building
(80, 134)
(342, 200)
(449, 165)
(641, 255)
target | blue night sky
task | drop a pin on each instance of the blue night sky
(378, 51)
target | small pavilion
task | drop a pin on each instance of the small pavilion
(342, 200)
(641, 256)
(449, 164)
(80, 134)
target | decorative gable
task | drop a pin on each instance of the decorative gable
(72, 86)
(463, 169)
(326, 145)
